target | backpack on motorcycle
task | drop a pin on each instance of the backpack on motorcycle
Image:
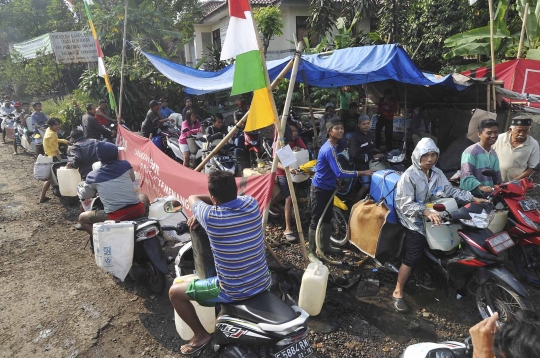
(114, 244)
(42, 167)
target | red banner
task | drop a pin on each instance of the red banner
(161, 176)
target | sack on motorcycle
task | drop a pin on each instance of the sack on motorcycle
(365, 224)
(113, 247)
(42, 167)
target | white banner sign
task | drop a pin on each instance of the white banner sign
(73, 47)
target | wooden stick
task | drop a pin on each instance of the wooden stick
(306, 88)
(242, 121)
(494, 97)
(522, 36)
(119, 113)
(491, 39)
(488, 97)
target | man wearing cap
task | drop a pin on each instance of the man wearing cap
(388, 106)
(153, 119)
(165, 111)
(113, 182)
(330, 113)
(327, 171)
(518, 152)
(91, 127)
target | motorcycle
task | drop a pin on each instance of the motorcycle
(523, 223)
(466, 255)
(447, 349)
(7, 123)
(149, 262)
(261, 326)
(24, 138)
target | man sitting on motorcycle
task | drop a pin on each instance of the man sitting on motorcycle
(5, 110)
(217, 130)
(153, 119)
(91, 127)
(102, 114)
(113, 182)
(234, 228)
(419, 184)
(38, 119)
(18, 114)
(361, 148)
(83, 151)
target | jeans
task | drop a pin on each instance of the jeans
(388, 132)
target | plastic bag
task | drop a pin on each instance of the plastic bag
(113, 246)
(42, 167)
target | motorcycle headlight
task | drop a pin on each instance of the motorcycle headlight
(480, 221)
(528, 221)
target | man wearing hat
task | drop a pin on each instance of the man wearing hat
(153, 119)
(518, 152)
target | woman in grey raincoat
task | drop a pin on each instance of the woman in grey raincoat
(420, 184)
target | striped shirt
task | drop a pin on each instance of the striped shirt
(236, 238)
(473, 160)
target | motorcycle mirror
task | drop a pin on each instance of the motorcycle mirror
(439, 208)
(172, 206)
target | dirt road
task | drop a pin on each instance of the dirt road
(55, 302)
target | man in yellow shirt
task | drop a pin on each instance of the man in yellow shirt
(50, 146)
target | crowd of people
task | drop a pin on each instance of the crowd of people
(511, 155)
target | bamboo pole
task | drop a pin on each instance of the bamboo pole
(242, 121)
(494, 97)
(493, 77)
(522, 36)
(119, 113)
(488, 97)
(310, 105)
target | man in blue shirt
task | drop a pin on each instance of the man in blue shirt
(164, 110)
(38, 119)
(236, 238)
(327, 171)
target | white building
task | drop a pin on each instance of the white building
(212, 28)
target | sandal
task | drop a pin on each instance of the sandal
(291, 238)
(195, 349)
(44, 200)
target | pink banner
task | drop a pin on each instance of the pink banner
(161, 176)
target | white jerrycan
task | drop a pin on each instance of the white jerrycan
(313, 288)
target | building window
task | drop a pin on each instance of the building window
(301, 28)
(373, 24)
(216, 38)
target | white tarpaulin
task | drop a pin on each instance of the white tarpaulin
(68, 47)
(73, 47)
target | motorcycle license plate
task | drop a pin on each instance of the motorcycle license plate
(528, 204)
(300, 349)
(226, 159)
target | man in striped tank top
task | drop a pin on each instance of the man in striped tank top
(233, 225)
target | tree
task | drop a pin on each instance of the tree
(269, 23)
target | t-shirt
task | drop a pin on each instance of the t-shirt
(38, 119)
(473, 160)
(349, 120)
(50, 142)
(344, 100)
(4, 110)
(387, 109)
(237, 242)
(166, 112)
(150, 124)
(298, 142)
(514, 161)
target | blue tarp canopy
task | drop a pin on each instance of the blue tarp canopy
(350, 66)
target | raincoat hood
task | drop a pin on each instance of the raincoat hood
(424, 146)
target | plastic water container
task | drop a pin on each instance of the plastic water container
(68, 180)
(313, 288)
(207, 315)
(302, 157)
(499, 221)
(137, 183)
(443, 237)
(383, 186)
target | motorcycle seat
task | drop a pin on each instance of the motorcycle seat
(263, 308)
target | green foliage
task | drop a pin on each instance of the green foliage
(142, 83)
(212, 62)
(69, 110)
(269, 20)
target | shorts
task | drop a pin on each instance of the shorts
(131, 212)
(97, 216)
(414, 247)
(206, 292)
(283, 186)
(184, 147)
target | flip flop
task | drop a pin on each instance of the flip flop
(195, 349)
(291, 238)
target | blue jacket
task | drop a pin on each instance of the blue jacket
(84, 153)
(328, 169)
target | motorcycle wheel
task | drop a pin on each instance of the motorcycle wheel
(504, 300)
(154, 278)
(530, 272)
(340, 228)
